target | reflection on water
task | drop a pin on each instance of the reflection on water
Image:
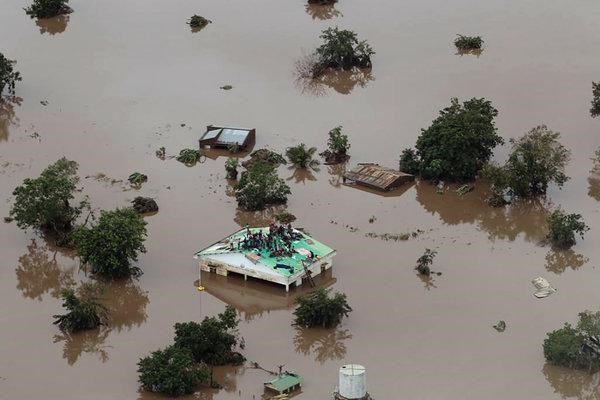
(475, 52)
(38, 273)
(594, 178)
(336, 172)
(341, 81)
(258, 218)
(253, 297)
(7, 115)
(75, 344)
(573, 384)
(126, 303)
(322, 12)
(558, 260)
(53, 25)
(428, 281)
(325, 344)
(527, 218)
(301, 175)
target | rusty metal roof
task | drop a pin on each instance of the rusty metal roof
(377, 176)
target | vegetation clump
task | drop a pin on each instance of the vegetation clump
(231, 168)
(259, 187)
(161, 153)
(595, 110)
(171, 371)
(576, 347)
(337, 147)
(189, 157)
(536, 160)
(8, 75)
(466, 43)
(318, 309)
(197, 21)
(111, 245)
(83, 313)
(264, 156)
(48, 8)
(285, 218)
(457, 144)
(341, 49)
(144, 205)
(213, 340)
(137, 179)
(302, 157)
(562, 228)
(424, 262)
(322, 2)
(44, 203)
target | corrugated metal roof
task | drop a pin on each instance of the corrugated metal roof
(284, 382)
(376, 175)
(237, 136)
(211, 134)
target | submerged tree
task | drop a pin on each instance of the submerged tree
(189, 157)
(337, 146)
(8, 75)
(83, 312)
(137, 179)
(536, 160)
(466, 43)
(264, 156)
(562, 228)
(424, 262)
(231, 168)
(457, 144)
(212, 341)
(576, 347)
(171, 371)
(302, 157)
(199, 22)
(318, 309)
(44, 204)
(259, 187)
(48, 8)
(595, 110)
(113, 243)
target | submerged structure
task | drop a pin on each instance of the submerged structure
(219, 137)
(377, 177)
(277, 253)
(284, 382)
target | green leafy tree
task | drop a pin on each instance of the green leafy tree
(302, 157)
(198, 21)
(259, 187)
(577, 347)
(213, 340)
(595, 110)
(562, 228)
(83, 313)
(337, 146)
(44, 203)
(468, 42)
(111, 245)
(341, 49)
(8, 75)
(47, 8)
(231, 166)
(424, 262)
(318, 309)
(189, 157)
(459, 142)
(137, 179)
(409, 162)
(171, 371)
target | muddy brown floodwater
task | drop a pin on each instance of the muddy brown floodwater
(112, 82)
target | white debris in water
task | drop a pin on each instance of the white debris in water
(544, 289)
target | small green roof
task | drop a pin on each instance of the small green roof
(284, 381)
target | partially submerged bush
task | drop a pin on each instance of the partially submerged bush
(577, 347)
(409, 162)
(536, 160)
(424, 262)
(468, 42)
(189, 156)
(144, 205)
(48, 8)
(337, 146)
(318, 309)
(212, 341)
(341, 49)
(264, 156)
(137, 179)
(562, 228)
(322, 2)
(197, 21)
(111, 245)
(259, 187)
(43, 203)
(301, 156)
(171, 371)
(231, 167)
(595, 110)
(458, 143)
(8, 75)
(83, 313)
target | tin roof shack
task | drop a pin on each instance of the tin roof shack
(377, 177)
(222, 137)
(285, 259)
(285, 382)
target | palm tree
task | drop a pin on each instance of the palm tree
(302, 157)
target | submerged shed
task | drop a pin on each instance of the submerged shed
(222, 137)
(285, 382)
(377, 177)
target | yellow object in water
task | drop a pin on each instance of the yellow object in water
(200, 288)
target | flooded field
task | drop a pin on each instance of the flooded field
(112, 82)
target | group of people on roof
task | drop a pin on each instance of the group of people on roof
(278, 241)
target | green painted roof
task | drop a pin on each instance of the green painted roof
(284, 381)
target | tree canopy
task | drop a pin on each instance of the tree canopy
(8, 75)
(211, 341)
(43, 203)
(341, 49)
(47, 8)
(318, 309)
(302, 156)
(457, 144)
(111, 245)
(595, 110)
(562, 228)
(83, 312)
(259, 187)
(171, 371)
(576, 347)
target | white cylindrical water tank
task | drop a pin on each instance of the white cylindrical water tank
(353, 381)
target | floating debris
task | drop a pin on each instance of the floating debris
(394, 236)
(464, 189)
(137, 179)
(500, 326)
(544, 289)
(226, 87)
(372, 219)
(161, 153)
